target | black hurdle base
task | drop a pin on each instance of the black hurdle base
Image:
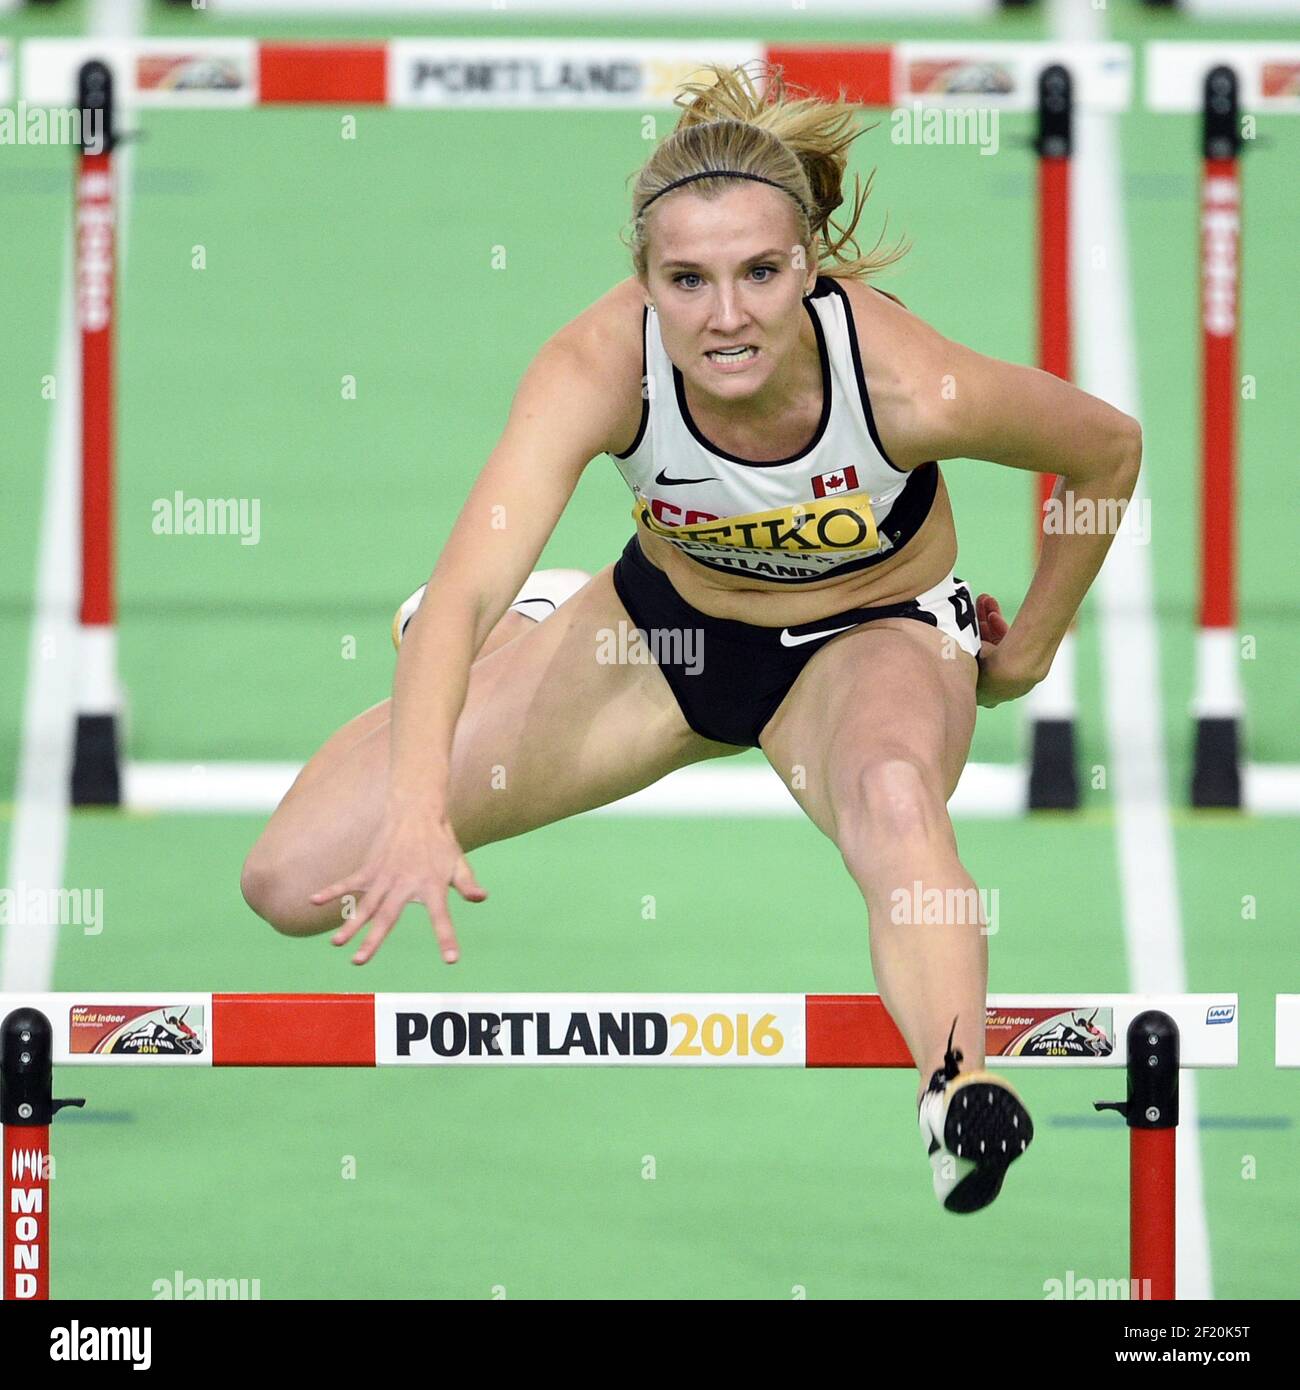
(96, 767)
(1216, 764)
(1053, 773)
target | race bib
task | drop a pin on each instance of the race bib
(826, 524)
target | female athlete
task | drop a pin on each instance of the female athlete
(778, 420)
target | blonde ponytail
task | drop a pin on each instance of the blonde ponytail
(799, 144)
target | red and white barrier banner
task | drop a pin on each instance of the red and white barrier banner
(541, 73)
(1268, 74)
(146, 72)
(560, 73)
(1005, 75)
(711, 1030)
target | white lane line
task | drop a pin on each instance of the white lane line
(369, 9)
(40, 826)
(986, 790)
(1107, 367)
(38, 847)
(1271, 789)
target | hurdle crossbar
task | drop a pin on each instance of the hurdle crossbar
(184, 1029)
(181, 1028)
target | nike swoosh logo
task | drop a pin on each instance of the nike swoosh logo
(671, 482)
(788, 641)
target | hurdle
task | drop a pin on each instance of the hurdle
(1050, 79)
(96, 777)
(1150, 1036)
(1052, 704)
(1225, 84)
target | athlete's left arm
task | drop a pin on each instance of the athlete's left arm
(982, 408)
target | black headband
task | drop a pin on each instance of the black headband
(716, 173)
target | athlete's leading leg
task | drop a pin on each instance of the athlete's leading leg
(880, 721)
(871, 741)
(547, 730)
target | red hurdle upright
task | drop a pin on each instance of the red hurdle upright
(1053, 770)
(1216, 773)
(96, 771)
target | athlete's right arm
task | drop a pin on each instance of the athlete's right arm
(565, 412)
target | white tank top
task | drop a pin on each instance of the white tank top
(836, 506)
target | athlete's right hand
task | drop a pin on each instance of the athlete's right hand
(414, 857)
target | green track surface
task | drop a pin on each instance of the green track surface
(372, 258)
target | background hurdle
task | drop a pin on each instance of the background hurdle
(1224, 83)
(1052, 705)
(1049, 78)
(1139, 1032)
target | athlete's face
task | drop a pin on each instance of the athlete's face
(728, 273)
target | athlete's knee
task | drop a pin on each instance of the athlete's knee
(257, 883)
(892, 799)
(269, 891)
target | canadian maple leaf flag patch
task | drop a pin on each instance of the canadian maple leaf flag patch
(828, 484)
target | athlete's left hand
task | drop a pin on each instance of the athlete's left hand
(1003, 675)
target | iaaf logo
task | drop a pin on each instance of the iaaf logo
(94, 250)
(1220, 227)
(27, 1171)
(1220, 1013)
